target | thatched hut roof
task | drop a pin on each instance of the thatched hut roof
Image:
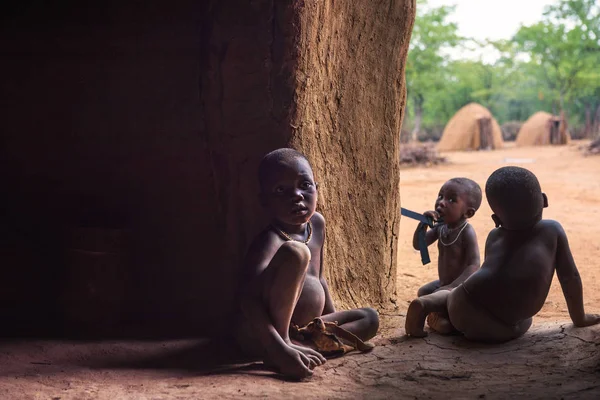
(536, 130)
(462, 131)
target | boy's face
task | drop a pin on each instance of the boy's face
(289, 192)
(451, 203)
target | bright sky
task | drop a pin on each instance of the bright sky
(493, 19)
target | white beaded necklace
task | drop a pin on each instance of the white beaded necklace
(289, 238)
(462, 228)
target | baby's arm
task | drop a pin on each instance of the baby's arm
(570, 281)
(470, 248)
(431, 236)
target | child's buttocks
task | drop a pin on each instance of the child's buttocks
(311, 302)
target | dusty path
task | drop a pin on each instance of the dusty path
(553, 360)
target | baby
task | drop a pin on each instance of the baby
(283, 275)
(497, 302)
(457, 201)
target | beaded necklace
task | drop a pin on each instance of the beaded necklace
(289, 238)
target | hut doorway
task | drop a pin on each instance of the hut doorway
(555, 131)
(486, 140)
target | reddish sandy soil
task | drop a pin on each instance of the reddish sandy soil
(553, 360)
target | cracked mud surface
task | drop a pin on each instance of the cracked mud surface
(552, 361)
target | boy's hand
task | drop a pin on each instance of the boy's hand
(432, 214)
(588, 320)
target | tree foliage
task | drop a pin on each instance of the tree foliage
(552, 65)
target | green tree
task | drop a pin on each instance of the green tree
(425, 67)
(586, 14)
(564, 46)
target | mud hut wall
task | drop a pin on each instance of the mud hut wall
(462, 131)
(536, 130)
(497, 138)
(350, 102)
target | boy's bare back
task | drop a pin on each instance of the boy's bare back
(515, 278)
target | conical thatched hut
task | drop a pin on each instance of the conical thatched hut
(472, 128)
(543, 128)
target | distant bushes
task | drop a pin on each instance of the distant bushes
(510, 130)
(428, 134)
(420, 154)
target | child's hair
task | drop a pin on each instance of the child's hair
(515, 191)
(472, 192)
(276, 157)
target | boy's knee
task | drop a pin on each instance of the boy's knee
(372, 316)
(296, 251)
(427, 289)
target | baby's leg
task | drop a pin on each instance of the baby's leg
(429, 288)
(420, 307)
(363, 322)
(268, 305)
(478, 324)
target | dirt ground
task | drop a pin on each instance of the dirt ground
(553, 360)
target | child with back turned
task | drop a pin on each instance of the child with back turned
(283, 273)
(497, 302)
(457, 201)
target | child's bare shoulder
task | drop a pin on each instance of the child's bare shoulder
(550, 227)
(318, 221)
(470, 233)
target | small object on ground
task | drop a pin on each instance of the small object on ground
(329, 338)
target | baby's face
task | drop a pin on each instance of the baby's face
(450, 203)
(289, 192)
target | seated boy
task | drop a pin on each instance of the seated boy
(283, 280)
(497, 303)
(457, 201)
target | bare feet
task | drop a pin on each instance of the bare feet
(589, 320)
(291, 362)
(415, 319)
(440, 324)
(314, 356)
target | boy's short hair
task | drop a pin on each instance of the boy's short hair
(516, 191)
(276, 157)
(472, 192)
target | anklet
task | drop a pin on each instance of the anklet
(289, 238)
(457, 236)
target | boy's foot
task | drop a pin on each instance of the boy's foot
(415, 319)
(313, 355)
(440, 324)
(291, 363)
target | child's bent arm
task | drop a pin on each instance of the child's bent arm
(430, 237)
(570, 281)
